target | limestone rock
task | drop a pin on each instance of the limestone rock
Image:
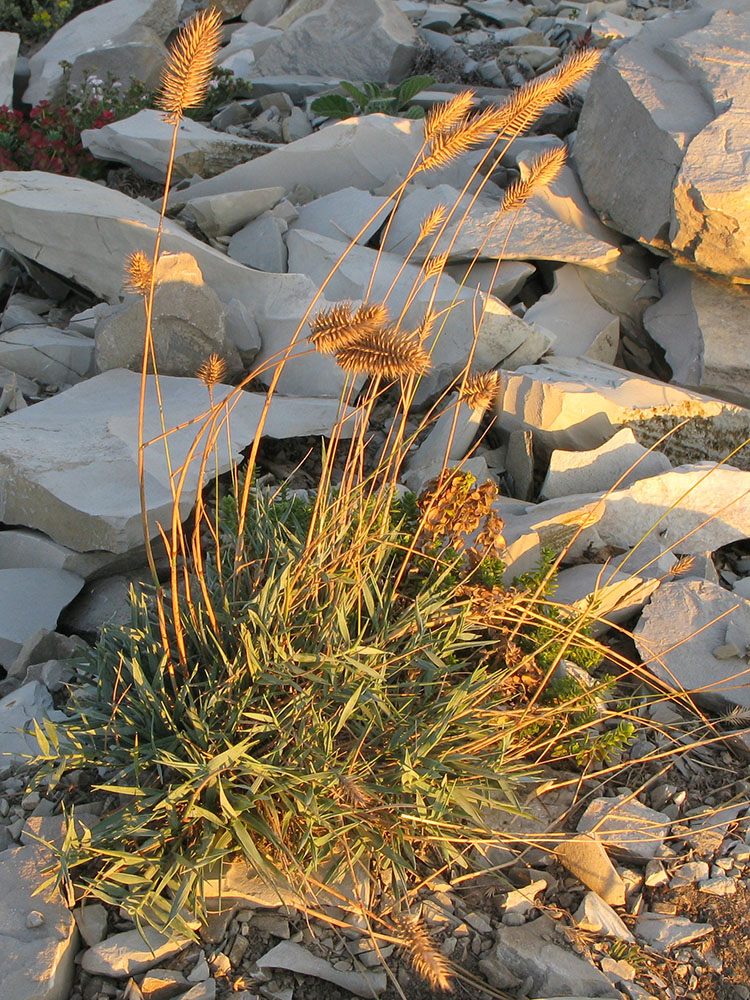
(532, 951)
(626, 826)
(359, 152)
(188, 324)
(91, 919)
(263, 11)
(577, 404)
(9, 42)
(702, 325)
(681, 87)
(506, 13)
(585, 857)
(580, 325)
(504, 282)
(47, 355)
(341, 215)
(19, 710)
(36, 962)
(260, 244)
(143, 142)
(598, 917)
(31, 599)
(610, 595)
(621, 461)
(681, 615)
(122, 37)
(130, 952)
(224, 214)
(352, 39)
(666, 932)
(501, 331)
(295, 958)
(68, 464)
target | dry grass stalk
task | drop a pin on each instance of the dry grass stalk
(435, 265)
(426, 327)
(431, 223)
(385, 352)
(186, 74)
(543, 171)
(338, 327)
(138, 270)
(515, 116)
(444, 117)
(212, 371)
(480, 391)
(429, 964)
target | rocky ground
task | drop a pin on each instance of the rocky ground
(618, 323)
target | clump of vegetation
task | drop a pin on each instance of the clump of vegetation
(49, 139)
(38, 19)
(373, 98)
(337, 685)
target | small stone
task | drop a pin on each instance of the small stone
(655, 874)
(626, 825)
(200, 971)
(597, 916)
(665, 932)
(238, 949)
(478, 922)
(91, 920)
(719, 886)
(693, 871)
(586, 858)
(34, 919)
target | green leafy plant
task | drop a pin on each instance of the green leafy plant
(34, 19)
(373, 98)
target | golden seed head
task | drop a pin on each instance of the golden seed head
(683, 564)
(432, 222)
(542, 172)
(443, 117)
(212, 371)
(187, 72)
(426, 960)
(435, 265)
(480, 391)
(338, 326)
(138, 273)
(385, 352)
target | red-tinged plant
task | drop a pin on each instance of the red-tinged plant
(49, 139)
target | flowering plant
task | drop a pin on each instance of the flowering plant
(49, 139)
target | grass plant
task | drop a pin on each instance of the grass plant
(340, 685)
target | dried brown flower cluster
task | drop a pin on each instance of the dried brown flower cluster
(480, 391)
(138, 270)
(365, 343)
(212, 371)
(455, 507)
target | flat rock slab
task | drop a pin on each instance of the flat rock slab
(295, 958)
(666, 932)
(679, 630)
(68, 465)
(130, 952)
(577, 405)
(36, 963)
(625, 825)
(30, 599)
(585, 857)
(19, 711)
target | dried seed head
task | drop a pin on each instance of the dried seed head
(138, 270)
(187, 72)
(542, 171)
(443, 117)
(435, 265)
(480, 391)
(429, 964)
(338, 326)
(385, 352)
(432, 222)
(212, 371)
(683, 565)
(425, 328)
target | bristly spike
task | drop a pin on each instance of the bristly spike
(445, 116)
(542, 171)
(431, 222)
(338, 326)
(385, 352)
(187, 72)
(480, 391)
(138, 269)
(212, 371)
(426, 960)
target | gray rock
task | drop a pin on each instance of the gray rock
(143, 141)
(532, 951)
(224, 214)
(578, 404)
(43, 646)
(504, 281)
(352, 39)
(621, 461)
(187, 327)
(701, 322)
(47, 355)
(18, 712)
(123, 37)
(598, 917)
(201, 991)
(500, 333)
(31, 599)
(341, 215)
(585, 857)
(666, 932)
(9, 42)
(506, 13)
(295, 958)
(625, 825)
(36, 961)
(519, 464)
(130, 952)
(263, 11)
(606, 594)
(677, 636)
(688, 874)
(580, 325)
(260, 244)
(68, 464)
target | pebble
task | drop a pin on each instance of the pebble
(34, 919)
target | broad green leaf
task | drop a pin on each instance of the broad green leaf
(411, 87)
(414, 112)
(355, 93)
(333, 106)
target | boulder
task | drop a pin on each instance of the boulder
(352, 39)
(577, 405)
(501, 332)
(224, 214)
(341, 215)
(702, 324)
(188, 325)
(20, 711)
(556, 228)
(263, 11)
(144, 140)
(47, 355)
(681, 88)
(504, 282)
(122, 37)
(580, 326)
(680, 632)
(68, 465)
(627, 826)
(9, 42)
(260, 244)
(36, 961)
(620, 461)
(30, 599)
